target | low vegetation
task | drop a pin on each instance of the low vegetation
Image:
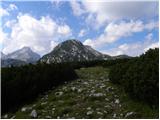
(121, 88)
(23, 84)
(139, 77)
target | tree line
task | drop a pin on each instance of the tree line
(23, 84)
(139, 77)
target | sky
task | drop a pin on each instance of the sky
(113, 28)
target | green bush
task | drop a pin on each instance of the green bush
(23, 84)
(139, 77)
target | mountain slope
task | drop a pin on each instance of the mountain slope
(3, 56)
(90, 96)
(73, 50)
(25, 54)
(120, 57)
(11, 62)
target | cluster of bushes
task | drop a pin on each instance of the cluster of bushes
(139, 76)
(23, 84)
(104, 63)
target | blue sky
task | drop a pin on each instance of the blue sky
(110, 27)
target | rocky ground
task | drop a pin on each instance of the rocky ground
(90, 96)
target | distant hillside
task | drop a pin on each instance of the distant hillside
(73, 50)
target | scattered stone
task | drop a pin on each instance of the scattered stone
(116, 96)
(114, 115)
(72, 118)
(52, 112)
(64, 88)
(129, 114)
(58, 117)
(13, 117)
(98, 95)
(53, 109)
(117, 101)
(59, 93)
(101, 78)
(46, 96)
(61, 101)
(79, 90)
(73, 88)
(79, 80)
(107, 80)
(89, 108)
(90, 80)
(93, 91)
(105, 112)
(97, 109)
(99, 113)
(48, 117)
(107, 106)
(33, 114)
(121, 115)
(44, 103)
(6, 116)
(89, 112)
(120, 105)
(109, 89)
(85, 83)
(106, 99)
(23, 109)
(34, 105)
(103, 86)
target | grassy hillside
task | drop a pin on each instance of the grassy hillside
(92, 95)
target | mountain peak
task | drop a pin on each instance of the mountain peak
(26, 48)
(71, 42)
(24, 54)
(72, 50)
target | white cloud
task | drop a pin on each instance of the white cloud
(133, 49)
(77, 8)
(12, 7)
(153, 45)
(115, 31)
(64, 30)
(3, 12)
(10, 23)
(101, 12)
(123, 47)
(39, 34)
(3, 37)
(82, 32)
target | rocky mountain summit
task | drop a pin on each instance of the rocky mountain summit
(25, 54)
(19, 57)
(73, 50)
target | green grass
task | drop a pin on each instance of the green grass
(74, 104)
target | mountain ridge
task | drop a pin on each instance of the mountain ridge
(72, 50)
(24, 54)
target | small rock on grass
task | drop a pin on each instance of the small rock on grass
(129, 114)
(114, 115)
(59, 93)
(117, 101)
(23, 109)
(89, 112)
(34, 113)
(6, 116)
(48, 117)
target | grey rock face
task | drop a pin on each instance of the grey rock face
(25, 54)
(72, 50)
